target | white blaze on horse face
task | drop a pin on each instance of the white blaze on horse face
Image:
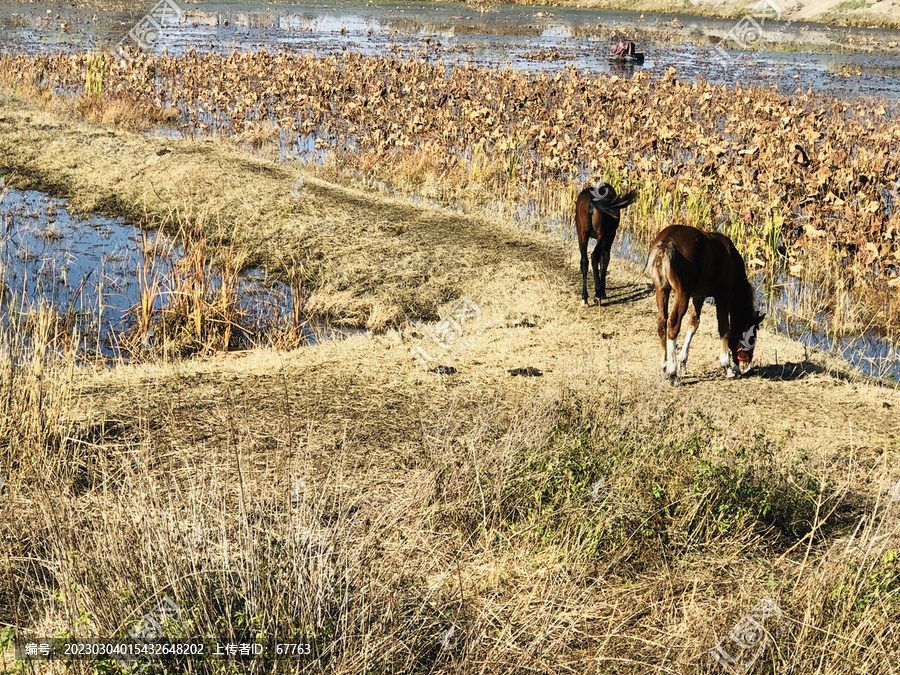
(671, 348)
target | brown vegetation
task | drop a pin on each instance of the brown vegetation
(803, 184)
(343, 492)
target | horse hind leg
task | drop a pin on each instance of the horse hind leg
(584, 271)
(596, 255)
(604, 266)
(692, 326)
(662, 305)
(673, 326)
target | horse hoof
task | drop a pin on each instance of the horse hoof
(584, 302)
(673, 379)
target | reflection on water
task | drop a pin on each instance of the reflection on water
(88, 269)
(84, 268)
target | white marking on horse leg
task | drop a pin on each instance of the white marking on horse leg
(683, 357)
(725, 359)
(671, 348)
(724, 356)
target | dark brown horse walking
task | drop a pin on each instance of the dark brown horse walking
(597, 216)
(695, 265)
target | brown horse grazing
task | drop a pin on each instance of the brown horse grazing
(696, 265)
(597, 216)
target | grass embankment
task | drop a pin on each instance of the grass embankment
(342, 492)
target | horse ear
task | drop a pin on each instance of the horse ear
(759, 318)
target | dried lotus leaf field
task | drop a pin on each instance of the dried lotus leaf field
(804, 183)
(341, 491)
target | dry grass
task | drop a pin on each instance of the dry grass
(344, 245)
(343, 493)
(377, 507)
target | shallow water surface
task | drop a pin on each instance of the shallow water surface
(527, 38)
(89, 270)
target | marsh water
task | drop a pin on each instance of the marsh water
(848, 61)
(93, 270)
(843, 61)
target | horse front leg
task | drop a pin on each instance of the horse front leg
(725, 354)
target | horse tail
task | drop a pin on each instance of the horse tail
(612, 205)
(659, 266)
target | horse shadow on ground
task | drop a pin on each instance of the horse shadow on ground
(787, 372)
(784, 372)
(632, 293)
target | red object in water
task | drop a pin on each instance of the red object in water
(624, 51)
